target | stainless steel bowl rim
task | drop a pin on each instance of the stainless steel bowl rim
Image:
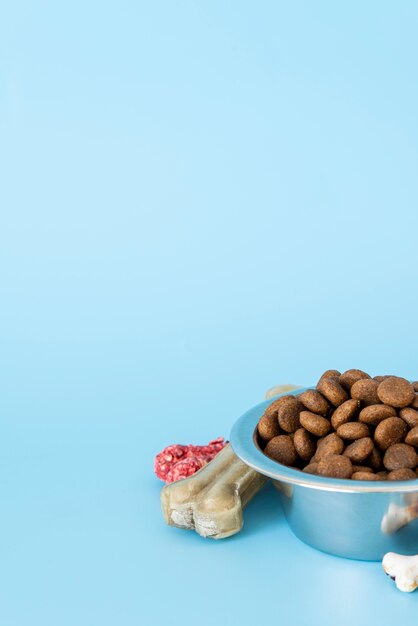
(244, 446)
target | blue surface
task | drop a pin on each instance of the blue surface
(198, 200)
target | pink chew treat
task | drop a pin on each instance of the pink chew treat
(184, 469)
(178, 461)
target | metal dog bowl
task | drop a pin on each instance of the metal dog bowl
(348, 518)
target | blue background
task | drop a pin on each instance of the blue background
(198, 200)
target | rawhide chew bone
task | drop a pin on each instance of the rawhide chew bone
(278, 389)
(402, 569)
(211, 501)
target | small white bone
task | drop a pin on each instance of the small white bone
(402, 569)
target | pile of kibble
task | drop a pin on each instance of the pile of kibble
(350, 426)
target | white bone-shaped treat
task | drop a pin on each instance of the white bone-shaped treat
(212, 500)
(402, 569)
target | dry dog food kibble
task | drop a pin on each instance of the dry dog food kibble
(336, 466)
(314, 423)
(375, 413)
(410, 416)
(359, 450)
(314, 402)
(312, 468)
(331, 444)
(364, 476)
(402, 474)
(412, 437)
(399, 456)
(396, 392)
(351, 426)
(353, 430)
(288, 414)
(389, 431)
(332, 390)
(305, 444)
(272, 409)
(365, 390)
(332, 374)
(350, 377)
(345, 412)
(268, 426)
(281, 449)
(375, 459)
(362, 469)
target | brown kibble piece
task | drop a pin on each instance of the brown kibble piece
(353, 430)
(383, 475)
(304, 444)
(412, 437)
(359, 450)
(396, 391)
(330, 374)
(288, 414)
(362, 468)
(281, 449)
(332, 390)
(273, 408)
(380, 378)
(415, 385)
(400, 455)
(414, 403)
(315, 424)
(375, 413)
(364, 476)
(350, 377)
(402, 474)
(312, 468)
(331, 444)
(314, 401)
(345, 412)
(366, 391)
(335, 466)
(268, 427)
(390, 431)
(375, 459)
(410, 416)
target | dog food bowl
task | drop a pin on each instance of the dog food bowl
(347, 518)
